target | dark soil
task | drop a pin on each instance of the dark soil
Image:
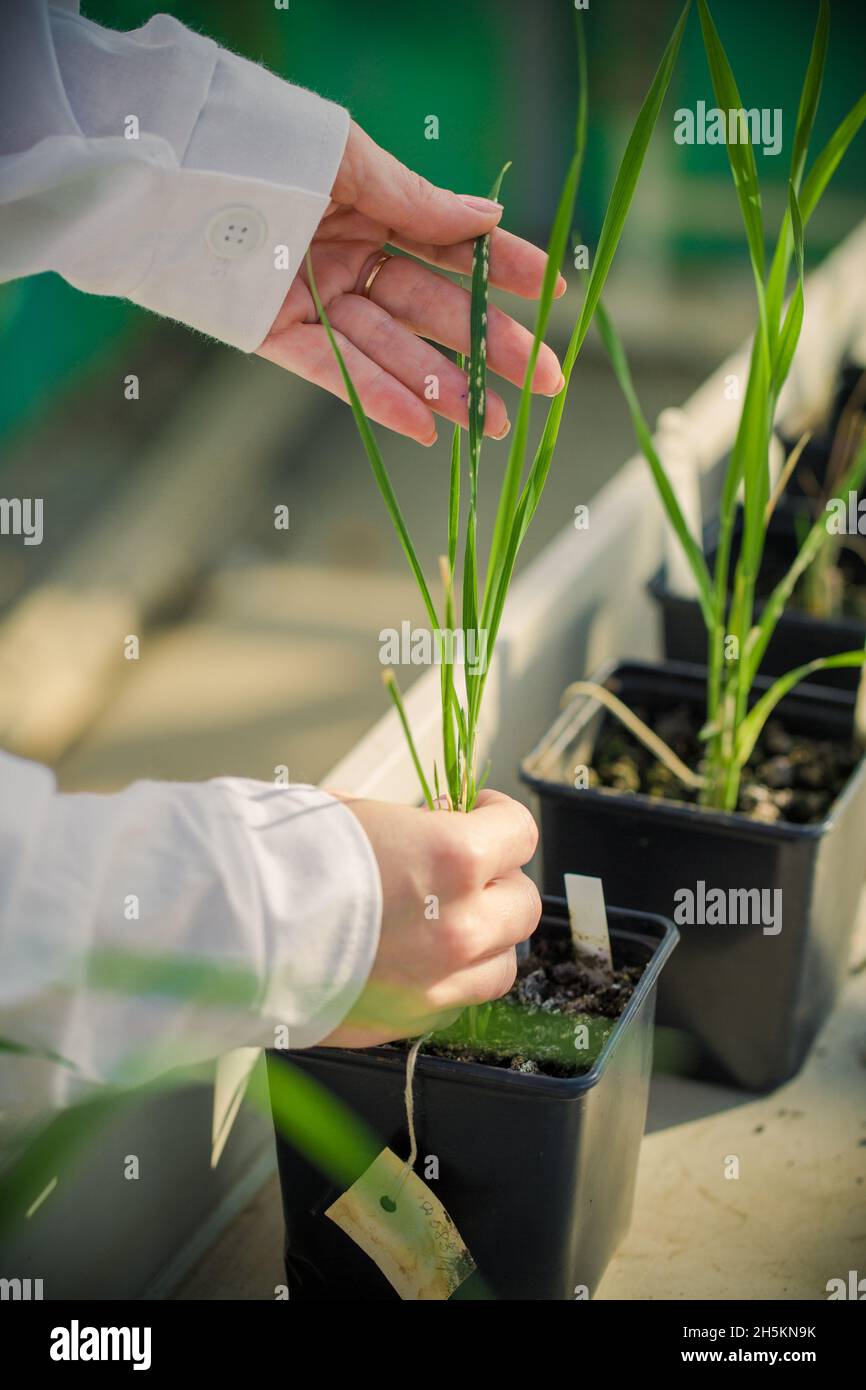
(846, 579)
(554, 1022)
(789, 777)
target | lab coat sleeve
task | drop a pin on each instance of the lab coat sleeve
(167, 923)
(156, 166)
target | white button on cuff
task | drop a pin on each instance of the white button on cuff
(235, 232)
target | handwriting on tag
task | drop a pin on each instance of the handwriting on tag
(400, 1223)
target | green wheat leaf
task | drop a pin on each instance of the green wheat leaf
(830, 157)
(812, 543)
(611, 232)
(397, 701)
(691, 548)
(741, 155)
(377, 463)
(750, 727)
(509, 494)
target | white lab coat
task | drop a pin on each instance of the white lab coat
(204, 214)
(227, 164)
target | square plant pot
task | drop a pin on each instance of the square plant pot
(815, 458)
(752, 1001)
(537, 1172)
(799, 637)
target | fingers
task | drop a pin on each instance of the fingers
(511, 907)
(477, 985)
(433, 223)
(515, 265)
(483, 961)
(412, 361)
(482, 926)
(382, 188)
(501, 832)
(437, 308)
(304, 348)
(485, 924)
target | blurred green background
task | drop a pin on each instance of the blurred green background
(259, 649)
(500, 78)
(262, 647)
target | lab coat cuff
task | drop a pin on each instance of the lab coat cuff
(320, 904)
(235, 221)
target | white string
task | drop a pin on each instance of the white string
(409, 1100)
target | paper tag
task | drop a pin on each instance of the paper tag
(230, 1083)
(404, 1228)
(588, 918)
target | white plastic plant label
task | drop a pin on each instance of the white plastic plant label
(588, 917)
(404, 1228)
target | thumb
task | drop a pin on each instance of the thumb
(382, 188)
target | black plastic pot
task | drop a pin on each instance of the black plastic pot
(537, 1172)
(753, 1002)
(798, 636)
(815, 458)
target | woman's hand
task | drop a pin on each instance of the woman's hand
(455, 904)
(381, 326)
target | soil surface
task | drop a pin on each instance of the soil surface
(554, 1021)
(789, 777)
